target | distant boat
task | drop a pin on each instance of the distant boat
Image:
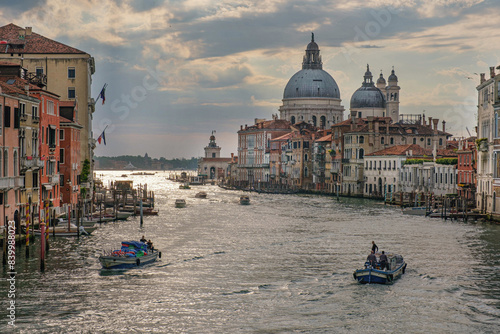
(146, 211)
(415, 211)
(201, 194)
(184, 186)
(374, 274)
(244, 200)
(180, 203)
(62, 231)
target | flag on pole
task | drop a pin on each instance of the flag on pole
(102, 94)
(102, 138)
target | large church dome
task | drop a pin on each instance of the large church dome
(312, 80)
(368, 96)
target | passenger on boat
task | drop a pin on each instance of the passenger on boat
(383, 261)
(150, 245)
(374, 247)
(372, 259)
(143, 239)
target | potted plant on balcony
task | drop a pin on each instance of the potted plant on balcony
(482, 144)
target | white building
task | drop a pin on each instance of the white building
(488, 182)
(212, 166)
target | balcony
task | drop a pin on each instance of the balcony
(18, 181)
(54, 179)
(23, 117)
(35, 119)
(345, 161)
(6, 183)
(30, 162)
(38, 79)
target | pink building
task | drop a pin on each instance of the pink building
(10, 180)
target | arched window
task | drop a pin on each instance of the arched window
(361, 139)
(314, 120)
(392, 140)
(292, 120)
(305, 157)
(361, 153)
(440, 141)
(322, 122)
(414, 140)
(382, 140)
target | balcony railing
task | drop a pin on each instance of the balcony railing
(54, 179)
(29, 162)
(36, 119)
(11, 182)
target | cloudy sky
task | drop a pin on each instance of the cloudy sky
(178, 69)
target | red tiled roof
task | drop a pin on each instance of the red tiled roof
(33, 43)
(284, 137)
(401, 150)
(326, 138)
(416, 151)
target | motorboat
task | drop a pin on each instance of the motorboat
(201, 194)
(416, 211)
(184, 186)
(180, 203)
(132, 254)
(396, 267)
(64, 231)
(244, 200)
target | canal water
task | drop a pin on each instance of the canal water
(283, 264)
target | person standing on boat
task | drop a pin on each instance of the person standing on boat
(143, 239)
(383, 261)
(372, 259)
(374, 247)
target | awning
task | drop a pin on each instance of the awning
(47, 186)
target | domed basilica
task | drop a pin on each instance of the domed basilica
(378, 101)
(312, 95)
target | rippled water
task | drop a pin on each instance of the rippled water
(282, 264)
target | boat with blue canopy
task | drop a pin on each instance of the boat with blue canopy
(374, 273)
(132, 254)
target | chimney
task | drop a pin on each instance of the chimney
(28, 31)
(444, 125)
(423, 119)
(430, 122)
(492, 71)
(483, 79)
(435, 121)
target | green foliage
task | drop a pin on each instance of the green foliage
(447, 161)
(481, 140)
(84, 175)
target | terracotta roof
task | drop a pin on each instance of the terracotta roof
(284, 137)
(416, 151)
(33, 43)
(401, 150)
(326, 138)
